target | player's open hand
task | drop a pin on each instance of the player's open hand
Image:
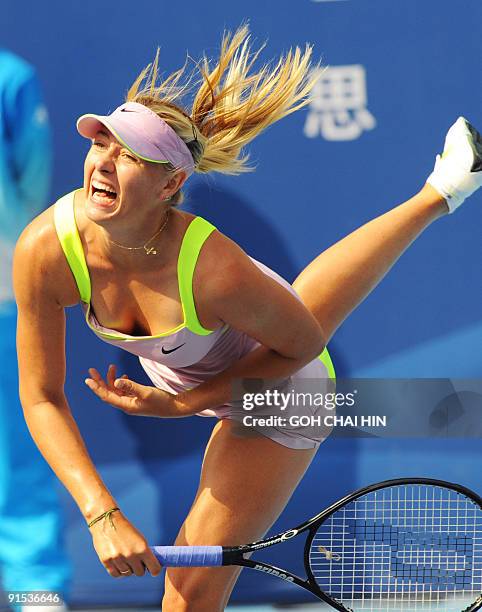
(131, 397)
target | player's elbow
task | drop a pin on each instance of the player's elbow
(308, 344)
(33, 395)
(315, 347)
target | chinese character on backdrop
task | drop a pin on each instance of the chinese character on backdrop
(337, 110)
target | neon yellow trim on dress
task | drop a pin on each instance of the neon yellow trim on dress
(328, 363)
(69, 239)
(196, 234)
(68, 235)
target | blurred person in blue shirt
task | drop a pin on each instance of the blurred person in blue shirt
(32, 556)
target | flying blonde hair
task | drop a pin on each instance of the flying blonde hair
(231, 106)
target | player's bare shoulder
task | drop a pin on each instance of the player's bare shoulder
(215, 274)
(222, 261)
(40, 264)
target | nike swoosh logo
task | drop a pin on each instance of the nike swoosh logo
(166, 352)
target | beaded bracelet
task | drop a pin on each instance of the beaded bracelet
(107, 514)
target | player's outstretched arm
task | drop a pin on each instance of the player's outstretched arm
(39, 282)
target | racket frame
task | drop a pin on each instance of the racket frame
(235, 555)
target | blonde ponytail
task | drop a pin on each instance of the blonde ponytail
(231, 106)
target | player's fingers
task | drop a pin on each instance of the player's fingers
(102, 391)
(152, 564)
(97, 387)
(129, 387)
(136, 565)
(112, 569)
(128, 404)
(95, 375)
(111, 376)
(124, 568)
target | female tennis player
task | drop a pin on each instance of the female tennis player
(200, 313)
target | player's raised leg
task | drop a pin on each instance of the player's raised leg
(340, 278)
(245, 484)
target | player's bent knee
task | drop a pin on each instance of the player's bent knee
(193, 601)
(196, 589)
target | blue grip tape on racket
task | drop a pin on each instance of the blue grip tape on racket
(189, 556)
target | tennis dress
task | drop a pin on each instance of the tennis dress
(188, 355)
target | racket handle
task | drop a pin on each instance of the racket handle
(188, 556)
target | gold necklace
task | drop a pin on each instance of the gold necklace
(148, 250)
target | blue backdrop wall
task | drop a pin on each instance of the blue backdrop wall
(400, 72)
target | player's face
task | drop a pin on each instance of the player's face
(117, 183)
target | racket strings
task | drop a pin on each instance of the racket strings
(406, 544)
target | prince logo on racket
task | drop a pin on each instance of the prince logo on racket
(274, 572)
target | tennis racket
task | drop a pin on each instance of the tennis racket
(405, 544)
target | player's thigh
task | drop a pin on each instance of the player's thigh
(245, 483)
